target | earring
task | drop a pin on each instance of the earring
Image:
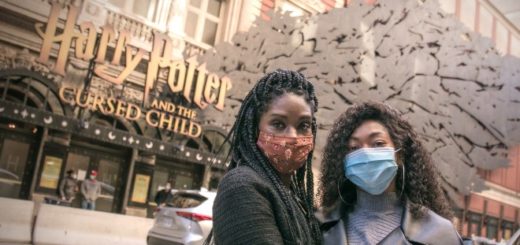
(402, 183)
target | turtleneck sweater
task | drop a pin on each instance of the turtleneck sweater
(374, 217)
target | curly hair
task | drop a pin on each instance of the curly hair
(421, 187)
(244, 150)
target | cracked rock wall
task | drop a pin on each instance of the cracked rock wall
(461, 96)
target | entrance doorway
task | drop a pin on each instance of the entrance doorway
(82, 156)
(111, 167)
(18, 144)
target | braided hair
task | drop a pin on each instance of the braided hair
(244, 150)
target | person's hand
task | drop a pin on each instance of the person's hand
(63, 198)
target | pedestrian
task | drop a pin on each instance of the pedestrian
(267, 195)
(379, 184)
(90, 189)
(69, 187)
(163, 195)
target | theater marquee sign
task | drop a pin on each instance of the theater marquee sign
(184, 77)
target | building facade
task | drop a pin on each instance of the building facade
(75, 96)
(493, 213)
(87, 85)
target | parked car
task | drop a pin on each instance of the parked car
(186, 219)
(515, 239)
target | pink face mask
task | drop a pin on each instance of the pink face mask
(286, 154)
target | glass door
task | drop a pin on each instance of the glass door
(110, 174)
(80, 164)
(18, 143)
(13, 161)
(109, 177)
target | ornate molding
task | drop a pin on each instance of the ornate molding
(15, 59)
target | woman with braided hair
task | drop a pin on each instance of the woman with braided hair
(267, 195)
(379, 185)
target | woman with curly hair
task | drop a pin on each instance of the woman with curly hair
(379, 185)
(267, 195)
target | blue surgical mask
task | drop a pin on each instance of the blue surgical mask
(371, 169)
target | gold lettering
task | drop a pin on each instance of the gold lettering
(176, 68)
(110, 105)
(107, 37)
(50, 37)
(131, 64)
(165, 118)
(163, 105)
(85, 48)
(176, 125)
(149, 118)
(171, 108)
(212, 83)
(155, 104)
(183, 127)
(98, 101)
(132, 112)
(82, 95)
(195, 130)
(161, 50)
(180, 110)
(166, 106)
(122, 40)
(120, 110)
(62, 95)
(187, 113)
(202, 90)
(192, 64)
(201, 77)
(225, 85)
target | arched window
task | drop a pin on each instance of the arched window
(31, 89)
(191, 143)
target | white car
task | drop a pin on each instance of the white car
(515, 239)
(186, 219)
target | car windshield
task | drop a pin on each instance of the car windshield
(186, 200)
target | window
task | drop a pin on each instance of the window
(79, 163)
(144, 8)
(141, 184)
(491, 228)
(191, 143)
(507, 230)
(474, 224)
(186, 200)
(13, 160)
(51, 172)
(147, 9)
(203, 20)
(293, 10)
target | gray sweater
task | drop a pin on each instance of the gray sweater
(90, 189)
(248, 210)
(373, 218)
(68, 188)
